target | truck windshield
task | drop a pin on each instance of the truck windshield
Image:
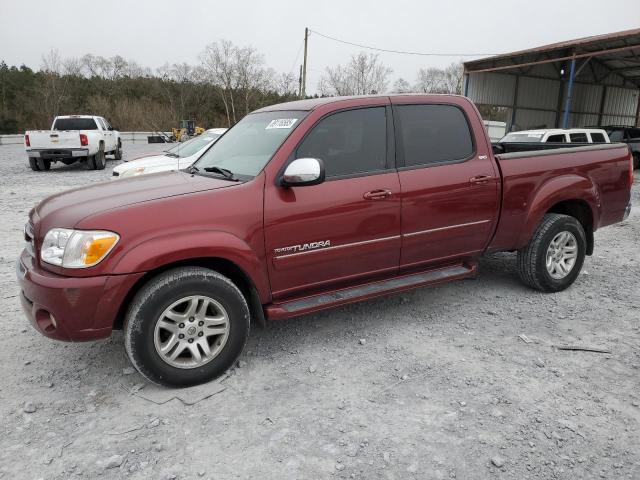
(75, 124)
(249, 145)
(192, 146)
(522, 138)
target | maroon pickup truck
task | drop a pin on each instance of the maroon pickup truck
(304, 206)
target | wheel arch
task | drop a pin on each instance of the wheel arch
(573, 195)
(222, 265)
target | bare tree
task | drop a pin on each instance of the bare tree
(55, 82)
(437, 80)
(363, 74)
(219, 65)
(401, 86)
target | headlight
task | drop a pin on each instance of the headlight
(76, 248)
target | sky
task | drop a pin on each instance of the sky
(155, 32)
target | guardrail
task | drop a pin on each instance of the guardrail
(18, 138)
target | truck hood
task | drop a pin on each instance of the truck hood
(68, 208)
(156, 163)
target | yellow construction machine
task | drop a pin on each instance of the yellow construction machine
(186, 130)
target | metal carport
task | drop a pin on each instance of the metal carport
(588, 81)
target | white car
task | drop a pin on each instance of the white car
(73, 138)
(558, 135)
(178, 157)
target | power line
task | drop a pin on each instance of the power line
(402, 52)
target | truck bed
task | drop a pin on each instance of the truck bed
(601, 168)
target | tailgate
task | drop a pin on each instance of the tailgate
(54, 139)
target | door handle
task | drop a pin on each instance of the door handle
(480, 179)
(377, 194)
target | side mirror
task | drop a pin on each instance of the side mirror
(303, 172)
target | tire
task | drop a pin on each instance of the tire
(44, 164)
(33, 163)
(148, 328)
(117, 153)
(97, 161)
(533, 262)
(636, 161)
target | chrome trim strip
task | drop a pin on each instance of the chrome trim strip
(335, 247)
(445, 228)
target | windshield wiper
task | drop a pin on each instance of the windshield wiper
(228, 174)
(192, 169)
(171, 154)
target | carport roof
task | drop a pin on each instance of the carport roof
(618, 52)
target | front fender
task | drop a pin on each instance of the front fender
(171, 248)
(554, 191)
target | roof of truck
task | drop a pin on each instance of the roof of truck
(559, 130)
(311, 103)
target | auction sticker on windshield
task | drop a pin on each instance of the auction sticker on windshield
(281, 123)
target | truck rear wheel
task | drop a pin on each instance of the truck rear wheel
(553, 258)
(186, 326)
(33, 163)
(97, 161)
(44, 164)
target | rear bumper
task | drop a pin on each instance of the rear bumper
(70, 308)
(55, 153)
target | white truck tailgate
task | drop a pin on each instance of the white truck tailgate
(54, 139)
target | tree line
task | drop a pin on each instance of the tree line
(228, 82)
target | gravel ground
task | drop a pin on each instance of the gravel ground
(458, 381)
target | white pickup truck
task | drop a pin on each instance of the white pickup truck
(73, 138)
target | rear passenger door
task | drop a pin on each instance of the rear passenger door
(450, 185)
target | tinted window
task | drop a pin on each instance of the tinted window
(433, 134)
(616, 135)
(75, 124)
(597, 137)
(556, 138)
(578, 138)
(349, 142)
(633, 133)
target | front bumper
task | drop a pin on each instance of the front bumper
(71, 308)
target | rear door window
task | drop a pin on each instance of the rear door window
(578, 137)
(558, 138)
(432, 134)
(349, 142)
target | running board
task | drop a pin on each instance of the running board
(366, 291)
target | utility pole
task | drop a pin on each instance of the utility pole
(300, 83)
(304, 65)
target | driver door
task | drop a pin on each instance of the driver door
(346, 229)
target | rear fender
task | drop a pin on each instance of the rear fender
(554, 191)
(168, 249)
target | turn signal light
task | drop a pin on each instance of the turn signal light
(96, 249)
(84, 141)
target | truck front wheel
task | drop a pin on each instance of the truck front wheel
(186, 326)
(553, 258)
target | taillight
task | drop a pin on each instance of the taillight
(26, 140)
(84, 141)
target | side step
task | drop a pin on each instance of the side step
(370, 290)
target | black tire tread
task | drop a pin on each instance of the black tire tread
(148, 290)
(528, 256)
